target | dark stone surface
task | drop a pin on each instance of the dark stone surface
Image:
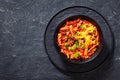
(22, 27)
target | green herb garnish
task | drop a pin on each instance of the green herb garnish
(72, 47)
(76, 42)
(82, 26)
(76, 55)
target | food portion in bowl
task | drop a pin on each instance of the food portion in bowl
(78, 39)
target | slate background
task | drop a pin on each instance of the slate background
(22, 28)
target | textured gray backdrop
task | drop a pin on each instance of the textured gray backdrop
(22, 28)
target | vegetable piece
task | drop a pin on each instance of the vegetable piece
(72, 47)
(76, 55)
(82, 46)
(66, 44)
(82, 26)
(76, 42)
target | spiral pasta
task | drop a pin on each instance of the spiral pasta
(78, 39)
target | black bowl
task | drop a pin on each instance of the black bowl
(83, 17)
(53, 50)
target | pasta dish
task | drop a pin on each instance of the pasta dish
(78, 39)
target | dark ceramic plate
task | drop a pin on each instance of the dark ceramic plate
(60, 61)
